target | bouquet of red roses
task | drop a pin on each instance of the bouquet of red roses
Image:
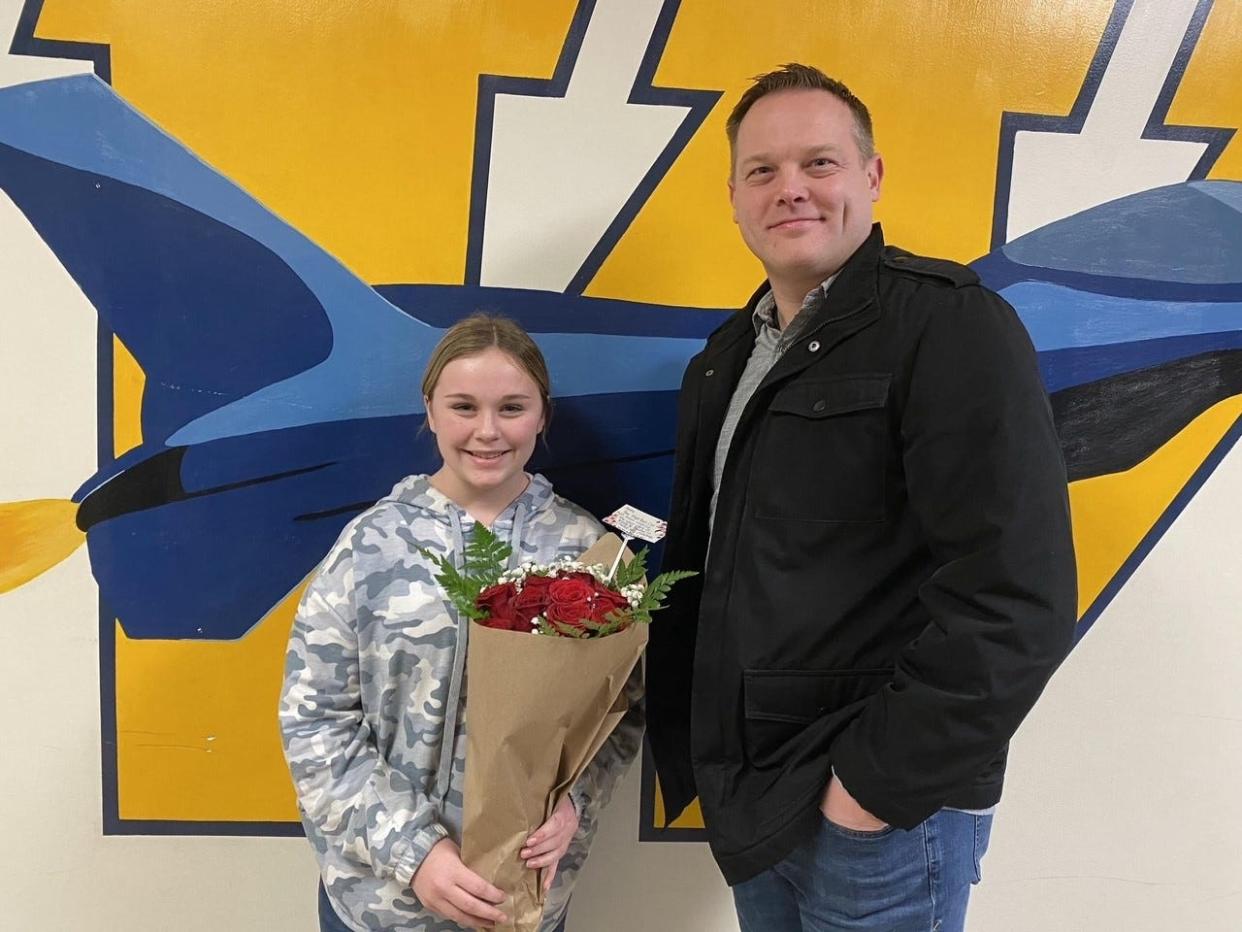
(568, 601)
(527, 744)
(580, 598)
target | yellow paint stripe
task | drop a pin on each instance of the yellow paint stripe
(1112, 513)
(128, 383)
(34, 537)
(354, 121)
(948, 70)
(197, 736)
(692, 817)
(1211, 92)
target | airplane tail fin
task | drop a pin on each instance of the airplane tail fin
(34, 537)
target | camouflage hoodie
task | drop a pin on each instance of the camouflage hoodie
(373, 706)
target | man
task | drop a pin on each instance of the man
(868, 476)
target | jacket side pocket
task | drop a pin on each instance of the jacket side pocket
(779, 705)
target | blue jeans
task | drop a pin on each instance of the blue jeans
(886, 881)
(329, 921)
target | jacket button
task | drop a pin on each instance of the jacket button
(819, 405)
(814, 346)
(710, 372)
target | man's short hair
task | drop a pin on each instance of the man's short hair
(797, 77)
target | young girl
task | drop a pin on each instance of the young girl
(373, 710)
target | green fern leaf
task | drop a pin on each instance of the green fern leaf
(629, 573)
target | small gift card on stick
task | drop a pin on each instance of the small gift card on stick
(634, 523)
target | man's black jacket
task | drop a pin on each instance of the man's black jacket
(891, 579)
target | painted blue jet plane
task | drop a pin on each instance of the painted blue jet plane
(282, 393)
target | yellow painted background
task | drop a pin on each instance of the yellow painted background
(355, 123)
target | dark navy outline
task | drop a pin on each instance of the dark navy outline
(1002, 273)
(104, 413)
(107, 724)
(231, 829)
(25, 42)
(1157, 531)
(643, 91)
(553, 312)
(104, 440)
(1216, 138)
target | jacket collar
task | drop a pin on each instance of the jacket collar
(855, 286)
(853, 290)
(852, 303)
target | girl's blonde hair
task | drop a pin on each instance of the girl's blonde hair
(478, 332)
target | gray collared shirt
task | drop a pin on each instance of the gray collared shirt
(770, 343)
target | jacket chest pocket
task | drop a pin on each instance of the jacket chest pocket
(823, 451)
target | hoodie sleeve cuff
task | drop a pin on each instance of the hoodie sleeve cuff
(416, 852)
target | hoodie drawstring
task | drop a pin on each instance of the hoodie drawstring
(515, 536)
(452, 701)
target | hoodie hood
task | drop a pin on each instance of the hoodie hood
(418, 492)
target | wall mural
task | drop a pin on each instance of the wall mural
(275, 211)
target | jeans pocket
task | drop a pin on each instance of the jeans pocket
(857, 834)
(983, 835)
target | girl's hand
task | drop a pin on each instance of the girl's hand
(548, 843)
(450, 889)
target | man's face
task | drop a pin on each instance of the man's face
(802, 193)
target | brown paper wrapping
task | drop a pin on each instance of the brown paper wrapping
(539, 709)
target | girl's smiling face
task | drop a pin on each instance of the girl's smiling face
(486, 412)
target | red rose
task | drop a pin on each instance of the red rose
(569, 599)
(532, 600)
(571, 588)
(569, 613)
(606, 602)
(498, 601)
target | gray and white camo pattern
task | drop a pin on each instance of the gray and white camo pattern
(375, 682)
